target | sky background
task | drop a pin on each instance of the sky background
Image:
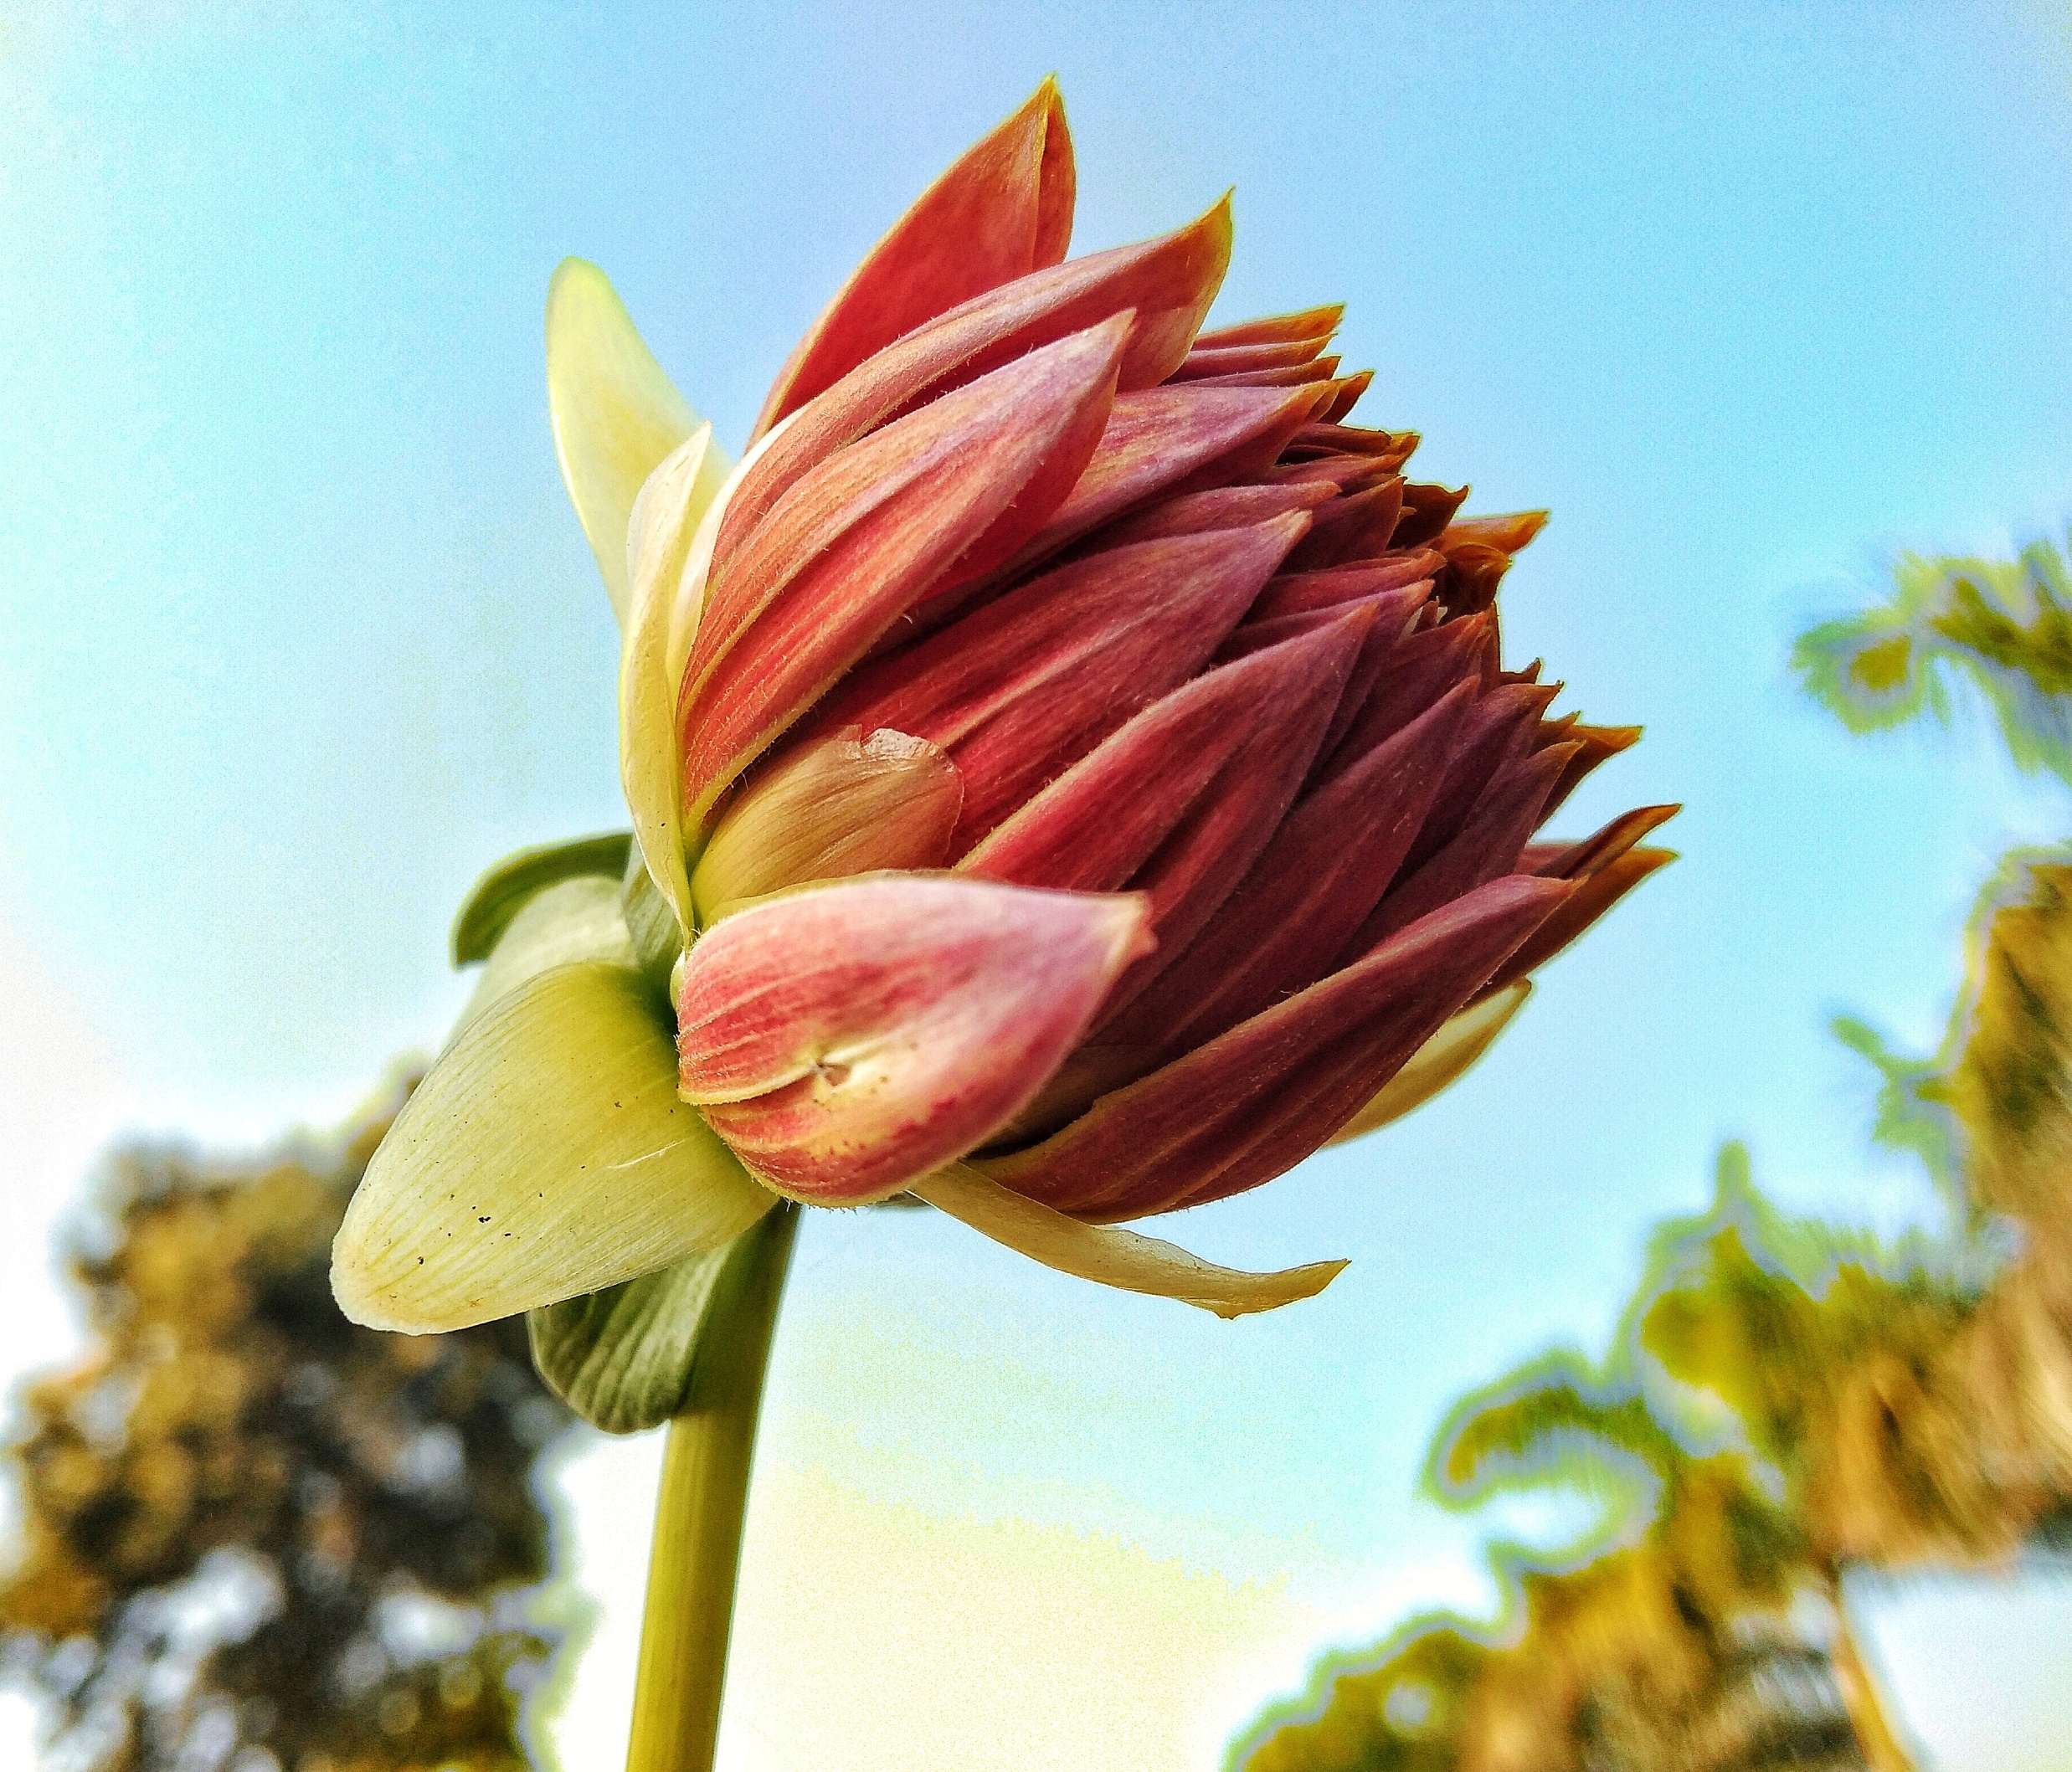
(298, 632)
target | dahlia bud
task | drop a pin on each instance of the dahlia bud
(1078, 762)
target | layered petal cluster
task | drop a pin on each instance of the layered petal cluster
(1073, 765)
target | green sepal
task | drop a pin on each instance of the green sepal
(633, 1355)
(657, 936)
(501, 893)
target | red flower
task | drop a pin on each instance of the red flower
(1078, 758)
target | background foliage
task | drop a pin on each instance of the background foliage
(258, 1536)
(1786, 1400)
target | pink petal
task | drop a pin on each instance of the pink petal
(1165, 285)
(861, 538)
(1002, 211)
(1020, 691)
(847, 1039)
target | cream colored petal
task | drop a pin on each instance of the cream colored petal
(660, 533)
(662, 621)
(689, 602)
(546, 1155)
(615, 413)
(1440, 1060)
(1111, 1256)
(579, 919)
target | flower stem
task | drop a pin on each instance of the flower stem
(698, 1517)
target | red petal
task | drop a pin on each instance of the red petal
(1486, 847)
(1579, 861)
(1222, 507)
(1421, 669)
(1290, 375)
(1229, 359)
(1349, 473)
(1326, 868)
(1426, 511)
(1496, 740)
(1221, 754)
(1510, 534)
(1593, 896)
(1391, 448)
(1254, 1101)
(1290, 592)
(1167, 283)
(1350, 388)
(1210, 851)
(1472, 574)
(859, 540)
(1160, 440)
(1599, 743)
(1002, 211)
(1395, 612)
(1356, 528)
(1170, 440)
(1020, 691)
(846, 1041)
(1276, 328)
(848, 804)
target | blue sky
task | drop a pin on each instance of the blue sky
(302, 634)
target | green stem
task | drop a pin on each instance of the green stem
(698, 1518)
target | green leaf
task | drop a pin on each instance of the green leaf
(501, 893)
(630, 1357)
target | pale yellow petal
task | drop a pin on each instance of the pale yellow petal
(690, 601)
(578, 919)
(665, 523)
(663, 621)
(1440, 1060)
(546, 1155)
(1111, 1256)
(615, 413)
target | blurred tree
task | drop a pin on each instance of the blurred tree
(1784, 1401)
(257, 1536)
(2005, 625)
